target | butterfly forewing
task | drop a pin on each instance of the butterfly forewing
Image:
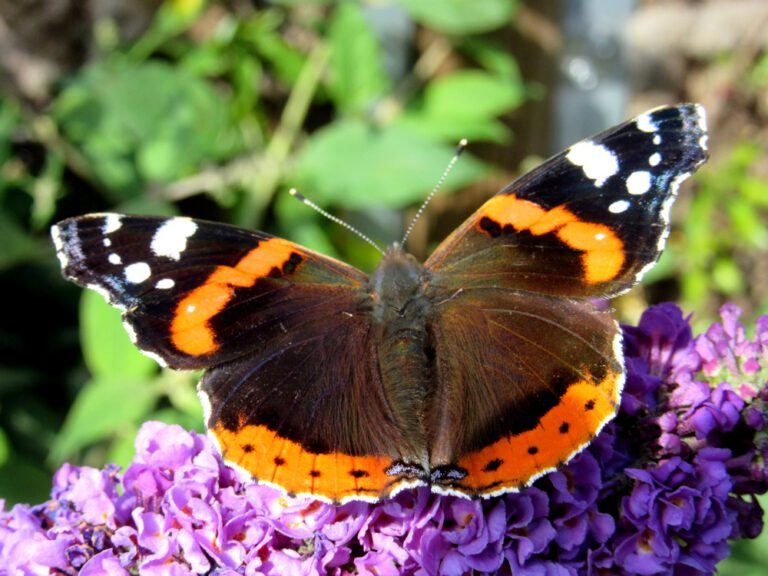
(587, 222)
(176, 280)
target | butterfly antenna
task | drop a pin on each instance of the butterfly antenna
(304, 200)
(420, 211)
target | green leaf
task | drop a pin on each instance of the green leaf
(173, 416)
(460, 16)
(355, 165)
(24, 480)
(181, 392)
(104, 407)
(472, 94)
(107, 349)
(696, 287)
(263, 33)
(465, 104)
(747, 223)
(493, 57)
(755, 190)
(356, 76)
(18, 247)
(5, 447)
(123, 448)
(727, 277)
(142, 122)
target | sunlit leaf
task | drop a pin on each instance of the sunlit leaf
(107, 349)
(17, 245)
(102, 408)
(357, 165)
(465, 104)
(727, 276)
(460, 16)
(5, 447)
(356, 76)
(142, 122)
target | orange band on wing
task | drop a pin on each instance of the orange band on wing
(603, 254)
(191, 332)
(513, 461)
(272, 458)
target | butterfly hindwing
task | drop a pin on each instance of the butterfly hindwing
(527, 381)
(587, 222)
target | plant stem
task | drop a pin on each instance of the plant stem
(261, 184)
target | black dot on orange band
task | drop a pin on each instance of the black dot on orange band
(533, 450)
(315, 473)
(590, 405)
(564, 428)
(358, 473)
(490, 226)
(279, 461)
(493, 465)
(247, 448)
(290, 266)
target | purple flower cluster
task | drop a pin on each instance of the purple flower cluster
(662, 490)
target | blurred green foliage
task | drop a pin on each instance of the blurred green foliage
(214, 113)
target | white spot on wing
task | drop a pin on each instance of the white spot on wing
(191, 308)
(165, 284)
(645, 123)
(138, 272)
(702, 117)
(170, 240)
(597, 162)
(131, 332)
(112, 222)
(115, 259)
(618, 207)
(156, 357)
(107, 242)
(206, 403)
(654, 159)
(639, 182)
(600, 236)
(657, 139)
(59, 244)
(618, 352)
(101, 290)
(56, 237)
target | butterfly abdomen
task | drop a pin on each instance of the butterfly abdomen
(400, 309)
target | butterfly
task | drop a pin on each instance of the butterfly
(474, 373)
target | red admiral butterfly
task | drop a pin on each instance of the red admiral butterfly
(474, 373)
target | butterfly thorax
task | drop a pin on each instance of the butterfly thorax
(400, 310)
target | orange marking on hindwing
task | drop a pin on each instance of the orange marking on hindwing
(512, 462)
(272, 458)
(191, 332)
(602, 250)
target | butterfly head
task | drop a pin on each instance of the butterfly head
(397, 282)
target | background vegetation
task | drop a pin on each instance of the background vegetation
(215, 109)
